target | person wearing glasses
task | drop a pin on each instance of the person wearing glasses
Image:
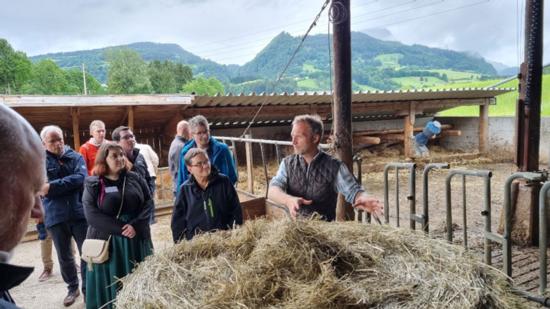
(218, 152)
(118, 205)
(308, 181)
(124, 137)
(207, 200)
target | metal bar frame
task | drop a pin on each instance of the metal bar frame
(448, 201)
(412, 191)
(424, 218)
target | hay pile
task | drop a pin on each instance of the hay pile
(313, 264)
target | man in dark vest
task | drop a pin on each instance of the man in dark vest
(309, 181)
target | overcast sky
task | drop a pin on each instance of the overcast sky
(233, 31)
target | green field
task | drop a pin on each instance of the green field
(458, 76)
(308, 84)
(505, 104)
(389, 60)
(413, 82)
(309, 68)
(363, 88)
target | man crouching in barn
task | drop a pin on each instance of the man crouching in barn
(308, 181)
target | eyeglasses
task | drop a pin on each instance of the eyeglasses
(129, 136)
(201, 133)
(201, 164)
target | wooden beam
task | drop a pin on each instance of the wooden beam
(408, 129)
(449, 133)
(249, 165)
(273, 112)
(366, 140)
(394, 131)
(483, 127)
(131, 117)
(76, 128)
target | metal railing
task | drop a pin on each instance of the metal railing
(507, 236)
(424, 219)
(412, 192)
(448, 202)
(249, 141)
(543, 236)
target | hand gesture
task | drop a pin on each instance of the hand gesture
(369, 204)
(128, 231)
(294, 203)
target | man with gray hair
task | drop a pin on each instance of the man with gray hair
(64, 215)
(89, 149)
(182, 137)
(218, 152)
(308, 181)
(22, 164)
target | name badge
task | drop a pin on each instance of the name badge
(112, 189)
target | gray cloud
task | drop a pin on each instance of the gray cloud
(234, 31)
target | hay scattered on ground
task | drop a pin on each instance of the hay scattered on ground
(313, 264)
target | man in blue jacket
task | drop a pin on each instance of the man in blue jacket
(64, 215)
(218, 152)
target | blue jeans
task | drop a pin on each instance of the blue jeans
(62, 233)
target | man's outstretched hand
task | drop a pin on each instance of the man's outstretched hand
(369, 204)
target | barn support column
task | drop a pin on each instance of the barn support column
(408, 131)
(75, 113)
(131, 117)
(483, 126)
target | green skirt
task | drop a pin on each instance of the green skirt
(102, 282)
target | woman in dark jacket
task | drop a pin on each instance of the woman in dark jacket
(112, 186)
(206, 201)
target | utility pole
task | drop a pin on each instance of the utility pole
(340, 16)
(84, 79)
(527, 138)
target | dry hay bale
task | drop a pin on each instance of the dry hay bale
(314, 264)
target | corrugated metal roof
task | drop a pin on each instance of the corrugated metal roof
(93, 100)
(306, 98)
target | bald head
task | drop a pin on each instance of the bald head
(22, 163)
(182, 129)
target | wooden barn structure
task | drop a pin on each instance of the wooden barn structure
(154, 117)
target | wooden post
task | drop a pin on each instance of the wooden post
(408, 131)
(525, 209)
(342, 95)
(76, 128)
(131, 117)
(483, 127)
(249, 165)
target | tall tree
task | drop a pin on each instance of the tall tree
(162, 78)
(203, 86)
(76, 85)
(47, 78)
(167, 76)
(183, 74)
(15, 68)
(127, 72)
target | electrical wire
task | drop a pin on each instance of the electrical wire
(313, 24)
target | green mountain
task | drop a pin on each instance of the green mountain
(376, 64)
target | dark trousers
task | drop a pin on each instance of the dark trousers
(62, 233)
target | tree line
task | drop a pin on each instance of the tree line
(127, 73)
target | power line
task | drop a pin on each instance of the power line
(368, 20)
(301, 23)
(313, 24)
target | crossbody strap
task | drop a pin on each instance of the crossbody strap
(121, 202)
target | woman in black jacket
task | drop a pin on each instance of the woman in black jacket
(207, 201)
(113, 187)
